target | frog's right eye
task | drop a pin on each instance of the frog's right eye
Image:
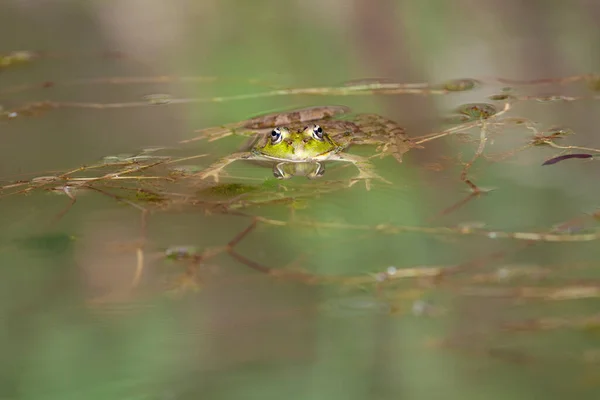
(276, 136)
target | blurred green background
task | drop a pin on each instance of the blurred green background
(71, 327)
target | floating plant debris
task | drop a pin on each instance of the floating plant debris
(566, 157)
(461, 85)
(17, 57)
(477, 110)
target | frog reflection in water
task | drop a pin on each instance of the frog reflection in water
(298, 148)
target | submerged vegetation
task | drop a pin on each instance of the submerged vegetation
(161, 182)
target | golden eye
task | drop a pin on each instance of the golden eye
(276, 136)
(317, 132)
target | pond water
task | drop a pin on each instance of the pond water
(470, 273)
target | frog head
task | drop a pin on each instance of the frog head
(308, 143)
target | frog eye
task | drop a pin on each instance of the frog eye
(276, 136)
(317, 132)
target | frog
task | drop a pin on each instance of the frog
(298, 142)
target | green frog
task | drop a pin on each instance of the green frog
(299, 141)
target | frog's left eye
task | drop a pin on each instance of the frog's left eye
(276, 136)
(317, 132)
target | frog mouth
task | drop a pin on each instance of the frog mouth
(275, 158)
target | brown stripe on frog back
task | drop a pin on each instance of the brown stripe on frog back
(295, 116)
